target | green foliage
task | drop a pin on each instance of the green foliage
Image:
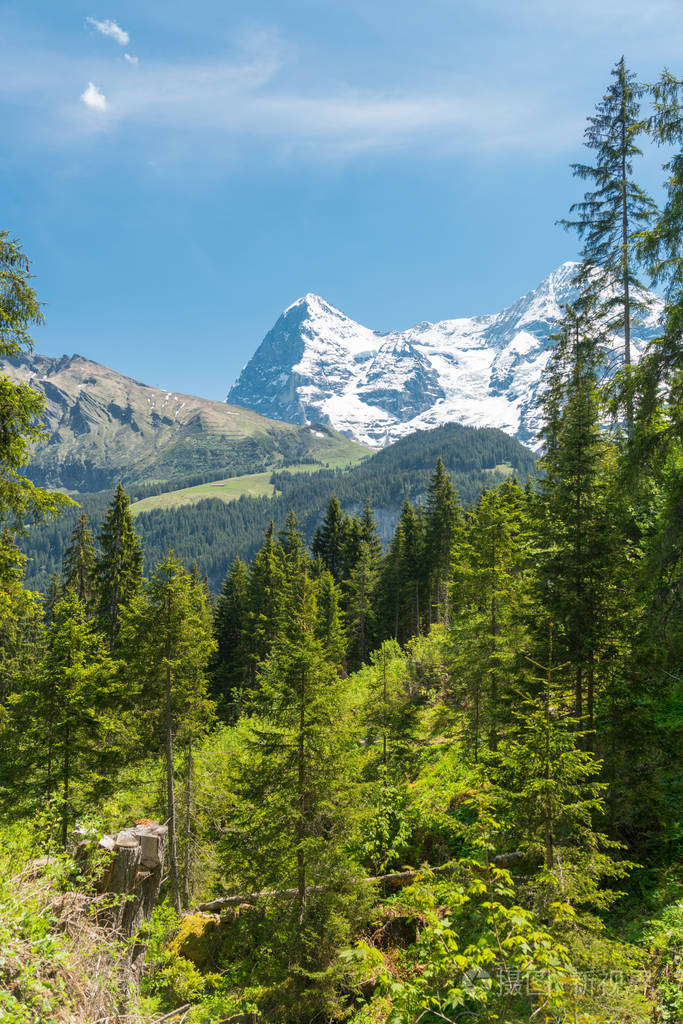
(442, 522)
(610, 218)
(664, 938)
(167, 644)
(78, 569)
(489, 594)
(64, 717)
(479, 952)
(119, 565)
(20, 406)
(28, 938)
(231, 663)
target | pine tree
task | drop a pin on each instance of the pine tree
(361, 612)
(403, 602)
(294, 792)
(79, 561)
(549, 794)
(389, 605)
(330, 539)
(661, 371)
(488, 597)
(329, 626)
(21, 627)
(262, 603)
(68, 716)
(642, 720)
(610, 218)
(118, 566)
(291, 542)
(442, 521)
(21, 406)
(575, 536)
(54, 594)
(166, 638)
(368, 532)
(659, 246)
(415, 570)
(230, 665)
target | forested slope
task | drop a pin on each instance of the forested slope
(213, 533)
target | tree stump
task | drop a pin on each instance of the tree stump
(133, 875)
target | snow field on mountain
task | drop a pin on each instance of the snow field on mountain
(318, 365)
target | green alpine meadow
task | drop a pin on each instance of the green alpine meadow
(303, 722)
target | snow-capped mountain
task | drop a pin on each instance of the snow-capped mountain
(317, 365)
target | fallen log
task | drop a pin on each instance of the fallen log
(393, 878)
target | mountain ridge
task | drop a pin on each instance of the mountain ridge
(104, 427)
(317, 364)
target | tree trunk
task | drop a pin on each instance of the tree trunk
(301, 829)
(493, 732)
(66, 779)
(625, 271)
(188, 829)
(172, 850)
(590, 688)
(548, 821)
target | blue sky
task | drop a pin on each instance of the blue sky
(180, 172)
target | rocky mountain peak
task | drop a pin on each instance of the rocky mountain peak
(319, 365)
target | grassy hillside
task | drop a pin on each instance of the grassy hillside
(254, 485)
(103, 427)
(250, 485)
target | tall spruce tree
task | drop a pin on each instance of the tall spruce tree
(291, 823)
(167, 644)
(262, 603)
(69, 716)
(489, 598)
(230, 665)
(21, 406)
(21, 426)
(443, 517)
(368, 531)
(329, 617)
(330, 539)
(610, 218)
(360, 615)
(78, 567)
(118, 566)
(404, 578)
(575, 538)
(550, 795)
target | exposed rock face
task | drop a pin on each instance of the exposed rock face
(318, 365)
(398, 360)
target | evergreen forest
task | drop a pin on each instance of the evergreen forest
(424, 768)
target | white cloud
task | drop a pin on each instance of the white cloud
(213, 110)
(110, 28)
(131, 60)
(93, 98)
